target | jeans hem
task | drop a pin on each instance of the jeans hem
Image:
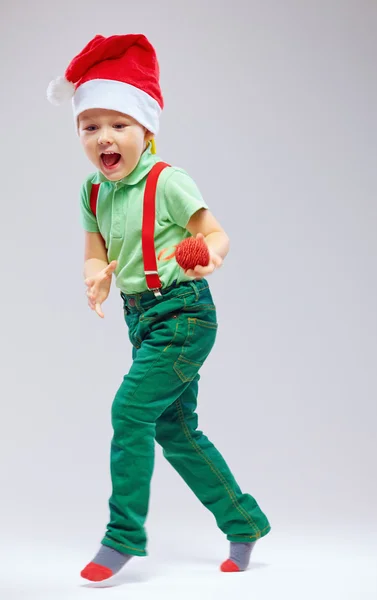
(247, 539)
(123, 548)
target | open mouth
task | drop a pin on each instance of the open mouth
(110, 159)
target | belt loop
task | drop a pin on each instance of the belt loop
(194, 286)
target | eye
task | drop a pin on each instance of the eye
(91, 128)
(120, 126)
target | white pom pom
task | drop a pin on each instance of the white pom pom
(60, 90)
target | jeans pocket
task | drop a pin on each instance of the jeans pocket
(197, 345)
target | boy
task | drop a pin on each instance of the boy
(135, 210)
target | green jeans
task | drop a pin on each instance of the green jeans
(157, 400)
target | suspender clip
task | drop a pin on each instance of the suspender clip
(156, 291)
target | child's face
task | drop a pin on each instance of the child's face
(112, 141)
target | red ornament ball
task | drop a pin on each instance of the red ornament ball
(192, 252)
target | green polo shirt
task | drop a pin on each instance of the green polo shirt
(119, 220)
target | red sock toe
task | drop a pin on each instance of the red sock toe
(95, 572)
(229, 567)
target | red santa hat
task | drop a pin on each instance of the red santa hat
(119, 73)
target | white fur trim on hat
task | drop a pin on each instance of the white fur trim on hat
(60, 90)
(122, 97)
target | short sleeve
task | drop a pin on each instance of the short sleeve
(88, 219)
(182, 198)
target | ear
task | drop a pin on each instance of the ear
(148, 135)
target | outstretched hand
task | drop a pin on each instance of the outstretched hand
(98, 287)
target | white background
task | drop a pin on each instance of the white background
(271, 107)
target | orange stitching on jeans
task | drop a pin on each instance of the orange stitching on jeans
(174, 336)
(197, 448)
(189, 362)
(180, 373)
(182, 376)
(190, 333)
(252, 536)
(219, 475)
(206, 324)
(192, 323)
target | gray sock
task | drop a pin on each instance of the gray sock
(110, 558)
(240, 554)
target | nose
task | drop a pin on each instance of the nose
(105, 136)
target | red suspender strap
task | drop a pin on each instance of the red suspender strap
(93, 197)
(149, 217)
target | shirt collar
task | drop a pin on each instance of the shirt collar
(145, 164)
